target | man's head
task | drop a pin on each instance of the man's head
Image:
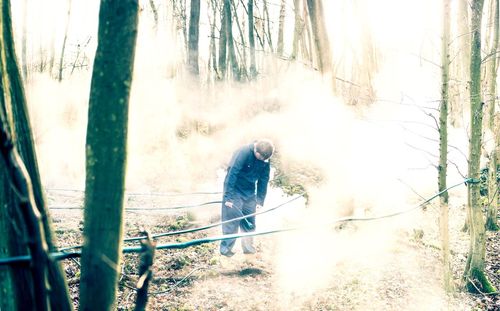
(263, 149)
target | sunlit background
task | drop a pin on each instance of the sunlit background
(374, 155)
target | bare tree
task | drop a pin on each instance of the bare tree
(106, 153)
(154, 9)
(298, 28)
(212, 63)
(474, 271)
(443, 148)
(493, 183)
(251, 40)
(14, 106)
(194, 34)
(24, 59)
(223, 41)
(63, 49)
(462, 71)
(321, 41)
(281, 27)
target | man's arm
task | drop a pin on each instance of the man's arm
(232, 175)
(262, 185)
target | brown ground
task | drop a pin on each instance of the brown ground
(403, 274)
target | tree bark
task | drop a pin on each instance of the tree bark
(321, 41)
(17, 115)
(106, 153)
(267, 22)
(443, 148)
(63, 49)
(213, 50)
(281, 27)
(24, 59)
(223, 43)
(251, 40)
(462, 65)
(194, 34)
(230, 41)
(493, 183)
(298, 28)
(474, 273)
(493, 67)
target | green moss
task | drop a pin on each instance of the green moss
(481, 282)
(491, 225)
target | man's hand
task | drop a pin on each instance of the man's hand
(228, 204)
(259, 206)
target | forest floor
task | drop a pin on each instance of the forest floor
(407, 275)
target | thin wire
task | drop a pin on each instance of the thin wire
(132, 194)
(177, 283)
(159, 235)
(141, 208)
(138, 249)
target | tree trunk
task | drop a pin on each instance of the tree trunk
(462, 65)
(474, 273)
(213, 49)
(242, 71)
(306, 39)
(24, 59)
(443, 148)
(230, 41)
(298, 28)
(267, 22)
(63, 49)
(106, 153)
(493, 183)
(251, 40)
(223, 43)
(493, 67)
(23, 136)
(154, 9)
(321, 41)
(281, 27)
(194, 33)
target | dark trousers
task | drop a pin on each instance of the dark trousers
(241, 207)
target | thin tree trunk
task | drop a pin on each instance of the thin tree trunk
(474, 272)
(281, 27)
(493, 183)
(223, 43)
(59, 298)
(182, 18)
(24, 59)
(493, 68)
(251, 40)
(154, 9)
(106, 153)
(194, 34)
(463, 65)
(61, 59)
(267, 22)
(230, 42)
(307, 41)
(212, 49)
(443, 148)
(298, 29)
(243, 54)
(12, 84)
(321, 41)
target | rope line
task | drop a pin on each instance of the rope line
(159, 235)
(137, 249)
(135, 194)
(141, 208)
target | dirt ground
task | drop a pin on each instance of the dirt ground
(293, 271)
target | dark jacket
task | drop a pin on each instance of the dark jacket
(246, 177)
